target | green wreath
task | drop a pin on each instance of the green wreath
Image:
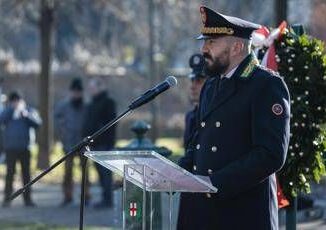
(302, 61)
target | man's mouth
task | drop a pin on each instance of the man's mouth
(207, 57)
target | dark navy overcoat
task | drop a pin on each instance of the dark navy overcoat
(240, 142)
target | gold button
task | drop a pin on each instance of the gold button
(218, 124)
(208, 195)
(210, 171)
(214, 149)
(198, 146)
(195, 167)
(203, 124)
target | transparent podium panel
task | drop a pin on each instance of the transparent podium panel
(132, 206)
(162, 175)
(141, 209)
(145, 175)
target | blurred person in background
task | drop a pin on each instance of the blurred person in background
(68, 117)
(19, 122)
(197, 78)
(2, 154)
(99, 112)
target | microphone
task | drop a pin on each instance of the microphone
(150, 94)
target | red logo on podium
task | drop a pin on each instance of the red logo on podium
(133, 209)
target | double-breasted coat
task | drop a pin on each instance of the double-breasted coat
(240, 142)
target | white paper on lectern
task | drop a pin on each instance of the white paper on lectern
(161, 174)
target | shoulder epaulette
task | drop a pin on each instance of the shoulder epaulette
(250, 68)
(272, 72)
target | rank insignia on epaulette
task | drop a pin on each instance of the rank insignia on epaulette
(250, 68)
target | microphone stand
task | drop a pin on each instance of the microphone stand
(83, 146)
(80, 148)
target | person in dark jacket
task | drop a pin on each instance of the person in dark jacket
(69, 115)
(99, 112)
(19, 121)
(2, 155)
(197, 78)
(243, 133)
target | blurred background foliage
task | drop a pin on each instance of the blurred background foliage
(128, 43)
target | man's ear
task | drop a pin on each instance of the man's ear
(236, 48)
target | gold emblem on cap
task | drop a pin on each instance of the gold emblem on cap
(217, 30)
(203, 15)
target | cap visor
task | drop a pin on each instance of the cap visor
(202, 37)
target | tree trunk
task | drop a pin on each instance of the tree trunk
(280, 11)
(152, 71)
(45, 97)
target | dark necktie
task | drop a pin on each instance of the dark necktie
(216, 92)
(211, 94)
(207, 96)
(222, 82)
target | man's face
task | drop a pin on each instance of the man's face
(14, 103)
(76, 94)
(216, 52)
(195, 88)
(93, 87)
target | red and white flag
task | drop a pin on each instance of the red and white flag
(264, 38)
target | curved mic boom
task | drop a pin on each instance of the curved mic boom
(150, 94)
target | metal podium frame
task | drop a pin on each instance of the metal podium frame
(151, 172)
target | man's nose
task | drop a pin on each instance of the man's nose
(203, 48)
(192, 86)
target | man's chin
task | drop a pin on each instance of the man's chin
(209, 72)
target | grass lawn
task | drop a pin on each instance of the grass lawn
(56, 175)
(39, 226)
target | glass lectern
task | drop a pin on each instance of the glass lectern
(151, 172)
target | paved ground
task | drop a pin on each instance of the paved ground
(48, 210)
(48, 198)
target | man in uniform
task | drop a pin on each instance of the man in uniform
(243, 132)
(198, 78)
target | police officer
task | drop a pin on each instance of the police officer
(198, 78)
(243, 132)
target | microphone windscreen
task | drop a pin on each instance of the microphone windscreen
(171, 80)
